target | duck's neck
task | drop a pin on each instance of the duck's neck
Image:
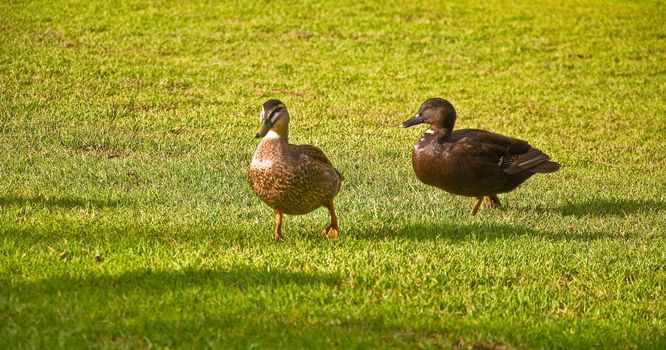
(274, 140)
(432, 136)
(279, 131)
(275, 136)
(444, 127)
(439, 133)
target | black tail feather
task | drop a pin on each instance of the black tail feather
(546, 167)
(533, 160)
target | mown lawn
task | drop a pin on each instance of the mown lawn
(126, 220)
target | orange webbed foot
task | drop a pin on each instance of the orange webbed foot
(332, 232)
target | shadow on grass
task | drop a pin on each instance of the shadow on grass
(139, 308)
(47, 202)
(396, 231)
(608, 207)
(201, 308)
(474, 232)
(164, 281)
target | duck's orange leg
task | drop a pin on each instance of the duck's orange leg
(278, 226)
(476, 206)
(332, 231)
(493, 201)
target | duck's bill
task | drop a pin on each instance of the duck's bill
(263, 129)
(415, 120)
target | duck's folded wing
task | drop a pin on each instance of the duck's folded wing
(514, 155)
(316, 154)
(508, 145)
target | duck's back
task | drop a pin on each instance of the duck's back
(293, 179)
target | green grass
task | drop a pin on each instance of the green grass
(126, 220)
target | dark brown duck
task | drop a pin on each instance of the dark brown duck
(291, 179)
(471, 162)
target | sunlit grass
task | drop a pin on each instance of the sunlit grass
(126, 220)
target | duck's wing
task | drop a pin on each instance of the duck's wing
(512, 155)
(318, 155)
(499, 144)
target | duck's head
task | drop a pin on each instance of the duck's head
(274, 118)
(437, 112)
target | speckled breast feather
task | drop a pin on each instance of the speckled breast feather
(292, 179)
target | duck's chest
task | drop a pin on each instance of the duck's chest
(269, 163)
(431, 160)
(428, 154)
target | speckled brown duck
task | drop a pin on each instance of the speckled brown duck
(291, 179)
(471, 162)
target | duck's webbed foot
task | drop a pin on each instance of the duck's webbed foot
(332, 232)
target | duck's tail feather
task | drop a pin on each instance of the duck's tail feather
(533, 160)
(546, 167)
